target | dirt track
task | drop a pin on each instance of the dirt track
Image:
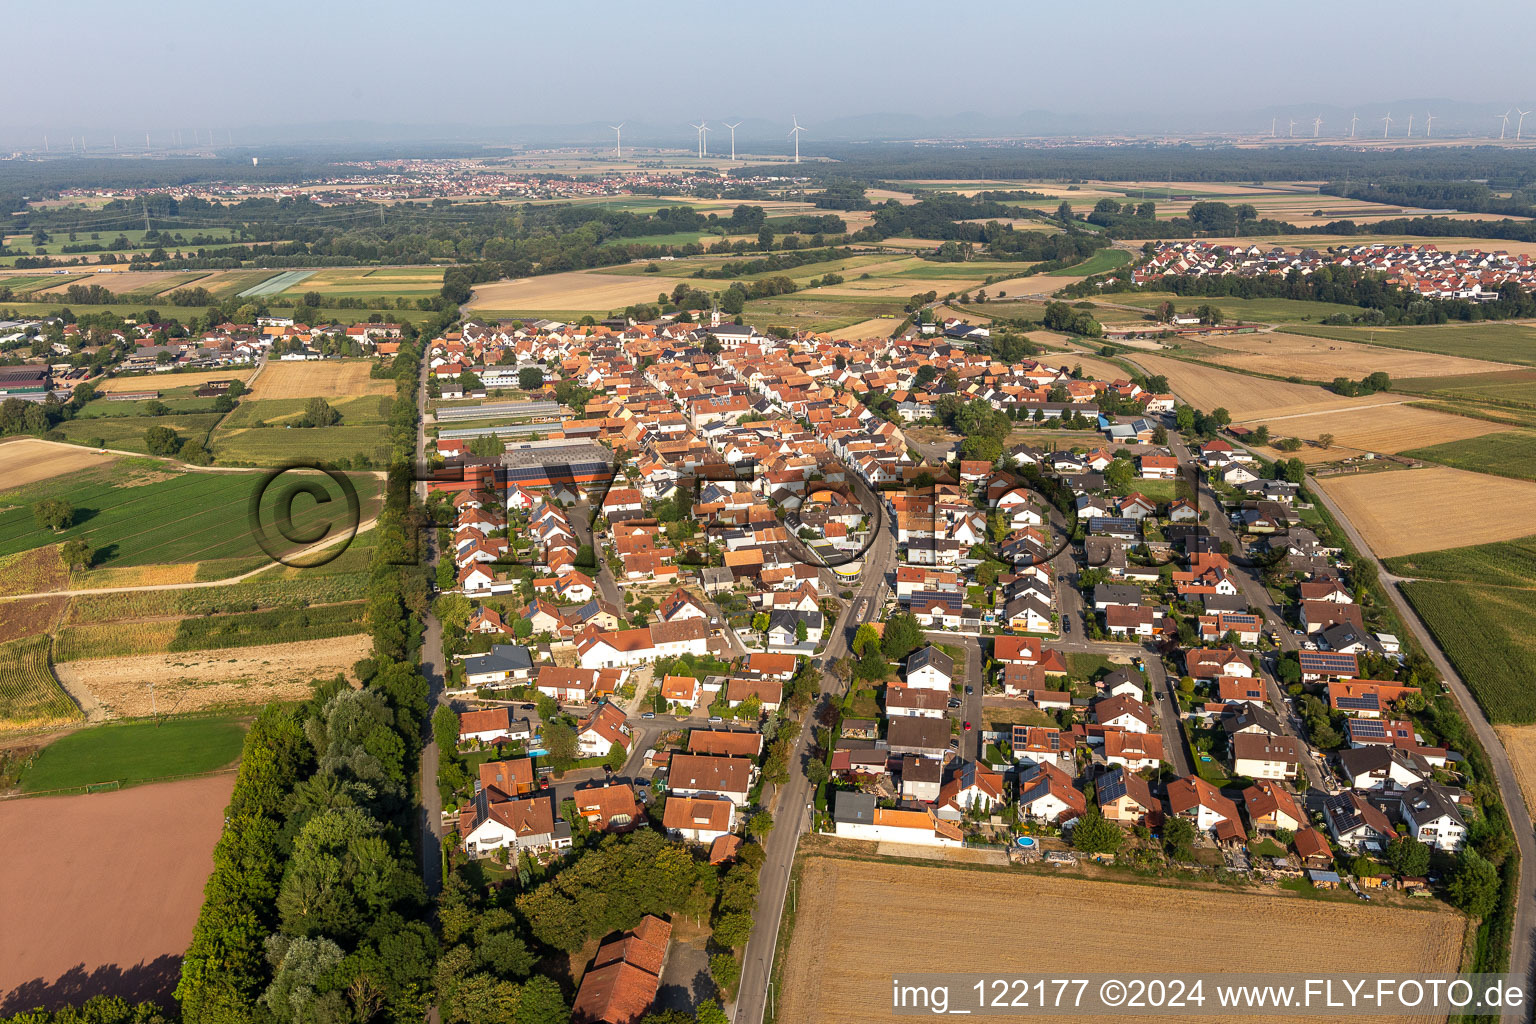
(101, 891)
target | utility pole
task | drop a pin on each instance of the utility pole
(144, 204)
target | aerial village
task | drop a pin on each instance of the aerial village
(1134, 627)
(1475, 275)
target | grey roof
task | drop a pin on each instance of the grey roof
(853, 808)
(917, 735)
(501, 658)
(1247, 714)
(1116, 593)
(931, 656)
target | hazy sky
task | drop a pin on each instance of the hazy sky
(107, 65)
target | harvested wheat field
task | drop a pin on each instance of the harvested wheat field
(1520, 743)
(1383, 427)
(830, 974)
(1245, 397)
(112, 915)
(195, 680)
(582, 290)
(166, 381)
(329, 378)
(134, 282)
(1407, 511)
(1295, 355)
(880, 327)
(27, 460)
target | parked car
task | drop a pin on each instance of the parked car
(954, 703)
(649, 714)
(967, 726)
(715, 718)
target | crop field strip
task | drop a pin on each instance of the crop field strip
(1490, 635)
(152, 522)
(1489, 341)
(1509, 453)
(1480, 602)
(208, 632)
(29, 695)
(1403, 512)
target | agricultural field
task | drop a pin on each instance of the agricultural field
(132, 753)
(133, 282)
(1322, 359)
(127, 433)
(171, 379)
(26, 460)
(368, 282)
(1508, 388)
(826, 973)
(30, 697)
(24, 282)
(1246, 397)
(879, 327)
(1370, 423)
(210, 680)
(87, 930)
(1503, 564)
(101, 409)
(279, 446)
(324, 378)
(816, 311)
(173, 517)
(277, 411)
(576, 291)
(1404, 512)
(1101, 262)
(1264, 311)
(1493, 342)
(1510, 453)
(1520, 743)
(1489, 633)
(22, 619)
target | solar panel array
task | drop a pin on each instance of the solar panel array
(1367, 728)
(1112, 786)
(1366, 702)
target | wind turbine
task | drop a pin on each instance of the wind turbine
(795, 131)
(1429, 123)
(1520, 125)
(1386, 126)
(1410, 126)
(1504, 124)
(1317, 125)
(701, 128)
(1352, 119)
(733, 128)
(618, 151)
(1293, 127)
(1272, 126)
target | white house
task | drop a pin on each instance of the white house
(601, 731)
(929, 668)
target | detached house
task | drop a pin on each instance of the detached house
(1202, 803)
(602, 730)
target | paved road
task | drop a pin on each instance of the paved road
(434, 668)
(790, 815)
(970, 707)
(1523, 941)
(1258, 596)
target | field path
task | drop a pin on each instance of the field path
(1326, 412)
